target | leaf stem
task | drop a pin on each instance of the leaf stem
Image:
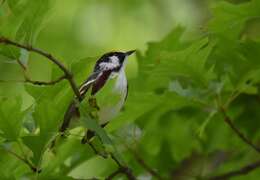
(31, 166)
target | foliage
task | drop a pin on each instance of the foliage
(175, 121)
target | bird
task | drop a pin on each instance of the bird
(107, 81)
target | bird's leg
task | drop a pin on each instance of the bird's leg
(93, 103)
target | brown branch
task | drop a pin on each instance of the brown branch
(114, 174)
(144, 165)
(242, 171)
(67, 73)
(21, 64)
(237, 131)
(121, 170)
(28, 80)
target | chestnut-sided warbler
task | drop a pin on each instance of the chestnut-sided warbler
(108, 86)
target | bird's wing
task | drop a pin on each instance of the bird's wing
(72, 109)
(101, 73)
(87, 84)
(100, 81)
(97, 80)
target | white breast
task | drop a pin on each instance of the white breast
(108, 113)
(121, 83)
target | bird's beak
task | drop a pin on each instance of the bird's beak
(128, 53)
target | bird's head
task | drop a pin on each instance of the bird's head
(121, 56)
(113, 60)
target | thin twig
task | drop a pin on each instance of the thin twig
(67, 73)
(242, 171)
(144, 165)
(21, 64)
(114, 174)
(28, 80)
(230, 123)
(228, 120)
(34, 169)
(122, 169)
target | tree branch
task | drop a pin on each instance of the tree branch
(21, 64)
(242, 171)
(144, 165)
(114, 174)
(121, 170)
(67, 73)
(237, 131)
(28, 80)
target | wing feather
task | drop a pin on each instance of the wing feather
(72, 109)
(87, 84)
(100, 82)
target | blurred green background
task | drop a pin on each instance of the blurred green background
(73, 30)
(194, 57)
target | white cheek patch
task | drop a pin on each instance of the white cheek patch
(114, 60)
(112, 64)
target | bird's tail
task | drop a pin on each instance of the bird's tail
(72, 111)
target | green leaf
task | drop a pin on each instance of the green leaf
(47, 116)
(229, 19)
(37, 144)
(11, 117)
(67, 157)
(95, 167)
(82, 68)
(12, 168)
